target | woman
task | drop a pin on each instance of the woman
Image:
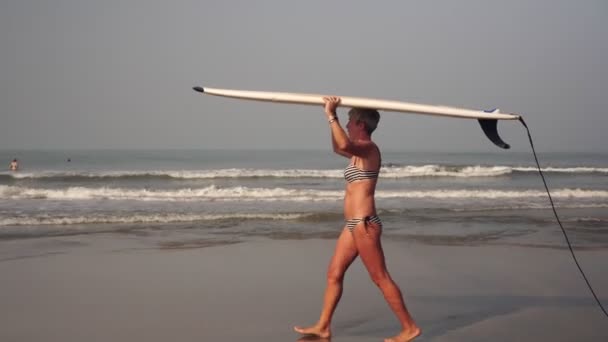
(362, 230)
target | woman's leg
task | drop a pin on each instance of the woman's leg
(367, 240)
(344, 255)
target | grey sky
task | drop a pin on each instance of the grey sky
(118, 74)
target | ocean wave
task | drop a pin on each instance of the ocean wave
(141, 218)
(531, 206)
(582, 169)
(183, 174)
(494, 194)
(392, 171)
(444, 171)
(210, 193)
(242, 193)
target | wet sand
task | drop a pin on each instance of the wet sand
(113, 287)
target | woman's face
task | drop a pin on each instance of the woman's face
(352, 126)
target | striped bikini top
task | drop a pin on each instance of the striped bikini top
(353, 173)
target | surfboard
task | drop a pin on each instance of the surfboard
(359, 102)
(487, 119)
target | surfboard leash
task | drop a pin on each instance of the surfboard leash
(521, 119)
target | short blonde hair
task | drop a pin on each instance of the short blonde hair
(369, 117)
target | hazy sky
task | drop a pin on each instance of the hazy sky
(80, 74)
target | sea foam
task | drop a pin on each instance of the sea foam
(243, 193)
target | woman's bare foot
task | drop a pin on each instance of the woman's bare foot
(405, 335)
(315, 330)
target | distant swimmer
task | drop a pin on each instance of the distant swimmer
(14, 165)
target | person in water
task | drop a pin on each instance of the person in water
(14, 165)
(362, 227)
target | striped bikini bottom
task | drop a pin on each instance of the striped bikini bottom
(352, 223)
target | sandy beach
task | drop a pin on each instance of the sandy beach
(128, 287)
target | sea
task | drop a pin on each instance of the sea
(198, 198)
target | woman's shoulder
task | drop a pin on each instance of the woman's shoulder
(371, 154)
(366, 144)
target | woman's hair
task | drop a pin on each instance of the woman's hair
(370, 117)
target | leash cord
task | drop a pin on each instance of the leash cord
(560, 223)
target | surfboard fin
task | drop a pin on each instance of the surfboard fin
(489, 127)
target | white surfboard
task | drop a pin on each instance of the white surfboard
(360, 102)
(486, 119)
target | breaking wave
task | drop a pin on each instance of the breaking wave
(242, 193)
(140, 218)
(386, 171)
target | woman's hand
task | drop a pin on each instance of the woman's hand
(331, 103)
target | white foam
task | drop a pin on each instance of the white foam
(139, 218)
(242, 193)
(493, 194)
(443, 171)
(430, 170)
(183, 174)
(564, 169)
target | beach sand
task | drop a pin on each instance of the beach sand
(123, 287)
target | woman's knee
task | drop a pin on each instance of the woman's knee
(335, 276)
(380, 278)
